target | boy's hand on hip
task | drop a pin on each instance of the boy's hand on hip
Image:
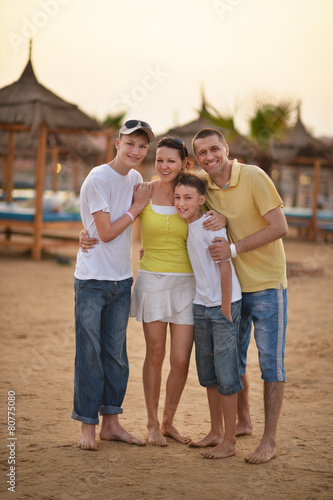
(85, 242)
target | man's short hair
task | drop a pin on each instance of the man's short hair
(207, 132)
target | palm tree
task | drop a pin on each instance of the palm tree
(114, 122)
(224, 121)
(270, 120)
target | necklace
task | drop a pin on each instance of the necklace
(171, 203)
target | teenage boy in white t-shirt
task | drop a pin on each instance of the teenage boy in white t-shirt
(216, 309)
(111, 198)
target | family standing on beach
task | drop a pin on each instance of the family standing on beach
(210, 275)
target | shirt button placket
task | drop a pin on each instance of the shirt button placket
(167, 227)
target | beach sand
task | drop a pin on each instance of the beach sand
(37, 355)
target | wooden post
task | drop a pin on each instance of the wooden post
(109, 147)
(315, 190)
(76, 164)
(40, 174)
(4, 172)
(10, 167)
(54, 168)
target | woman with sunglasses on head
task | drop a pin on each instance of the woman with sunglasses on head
(164, 292)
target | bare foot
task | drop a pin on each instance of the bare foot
(155, 437)
(264, 453)
(222, 450)
(88, 439)
(171, 431)
(211, 439)
(112, 431)
(244, 429)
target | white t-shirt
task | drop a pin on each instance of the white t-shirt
(107, 190)
(206, 271)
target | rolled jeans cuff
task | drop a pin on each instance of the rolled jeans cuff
(110, 410)
(85, 420)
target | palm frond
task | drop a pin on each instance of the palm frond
(115, 122)
(216, 118)
(271, 119)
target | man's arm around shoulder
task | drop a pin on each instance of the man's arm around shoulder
(276, 228)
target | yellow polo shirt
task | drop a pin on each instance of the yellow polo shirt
(249, 195)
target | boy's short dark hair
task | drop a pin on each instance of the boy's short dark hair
(207, 132)
(191, 179)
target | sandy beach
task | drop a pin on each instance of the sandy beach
(37, 355)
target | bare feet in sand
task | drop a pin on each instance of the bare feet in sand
(211, 439)
(88, 439)
(155, 437)
(112, 431)
(264, 453)
(171, 431)
(121, 435)
(244, 429)
(222, 450)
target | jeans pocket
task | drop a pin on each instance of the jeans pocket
(226, 318)
(81, 284)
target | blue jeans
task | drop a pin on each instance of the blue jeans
(216, 354)
(101, 364)
(267, 310)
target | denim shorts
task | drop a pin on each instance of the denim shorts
(267, 310)
(216, 351)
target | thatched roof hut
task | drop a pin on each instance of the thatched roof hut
(34, 121)
(299, 143)
(299, 149)
(29, 103)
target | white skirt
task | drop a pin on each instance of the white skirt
(163, 297)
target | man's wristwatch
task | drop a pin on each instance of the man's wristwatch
(233, 250)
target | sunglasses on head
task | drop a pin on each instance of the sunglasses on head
(174, 139)
(134, 123)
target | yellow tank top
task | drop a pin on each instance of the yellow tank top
(164, 242)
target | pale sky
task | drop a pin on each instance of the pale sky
(150, 57)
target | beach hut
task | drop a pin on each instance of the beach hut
(300, 154)
(34, 120)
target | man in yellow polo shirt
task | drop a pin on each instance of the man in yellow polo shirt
(255, 223)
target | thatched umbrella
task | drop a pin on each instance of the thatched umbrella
(43, 119)
(298, 143)
(299, 147)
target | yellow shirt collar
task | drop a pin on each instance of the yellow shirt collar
(235, 170)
